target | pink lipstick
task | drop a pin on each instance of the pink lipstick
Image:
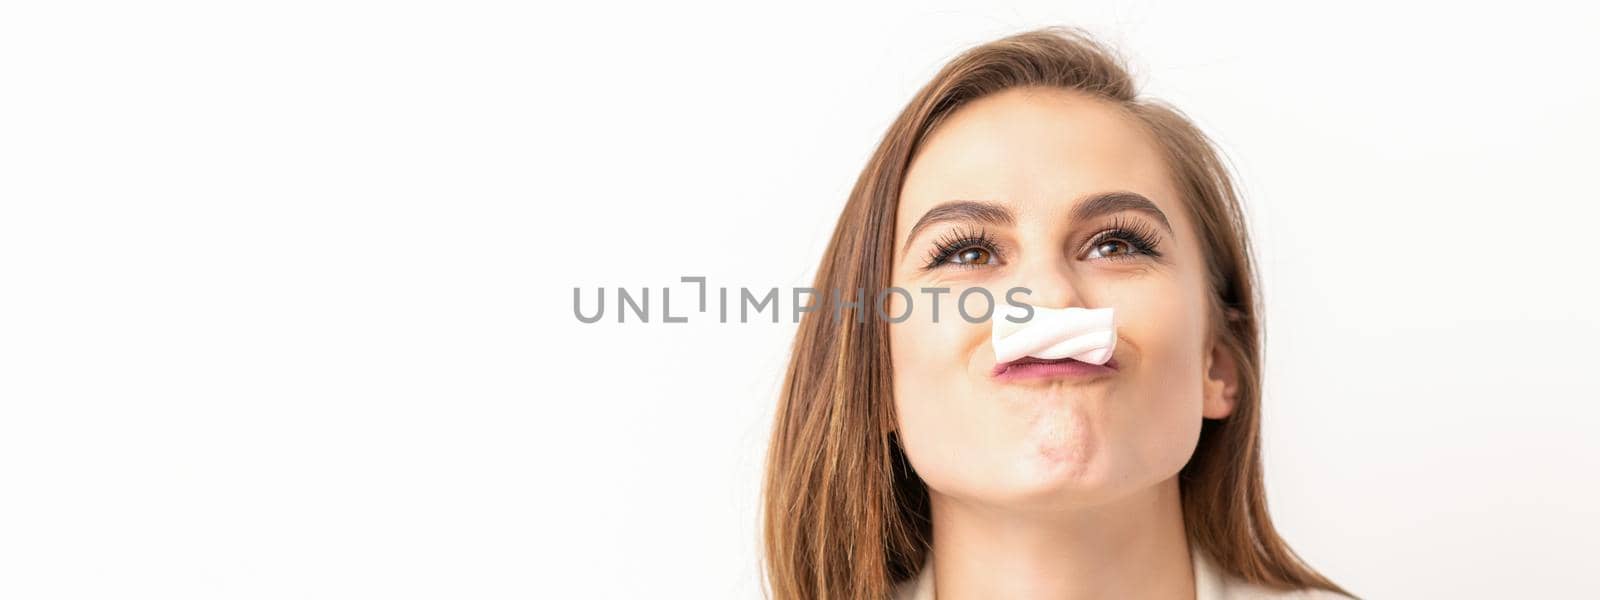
(1029, 367)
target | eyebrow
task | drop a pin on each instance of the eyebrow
(961, 210)
(1096, 205)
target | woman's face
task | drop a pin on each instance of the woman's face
(995, 188)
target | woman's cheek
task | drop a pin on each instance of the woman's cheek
(929, 357)
(934, 391)
(1165, 328)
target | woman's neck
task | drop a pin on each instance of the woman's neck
(1134, 547)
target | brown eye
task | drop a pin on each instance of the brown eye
(1125, 240)
(973, 256)
(967, 249)
(1112, 247)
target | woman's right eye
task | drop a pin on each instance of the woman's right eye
(966, 254)
(972, 256)
(964, 249)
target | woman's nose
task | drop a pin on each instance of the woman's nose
(1050, 283)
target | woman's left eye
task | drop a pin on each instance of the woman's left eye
(1112, 248)
(1124, 241)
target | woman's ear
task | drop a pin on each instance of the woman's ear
(1221, 387)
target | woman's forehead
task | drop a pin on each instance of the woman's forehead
(1034, 150)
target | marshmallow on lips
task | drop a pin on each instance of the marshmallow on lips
(1084, 334)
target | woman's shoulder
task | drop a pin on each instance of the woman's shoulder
(1245, 591)
(1211, 583)
(1239, 590)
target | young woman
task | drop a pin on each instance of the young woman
(905, 459)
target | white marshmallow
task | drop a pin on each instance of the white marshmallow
(1085, 334)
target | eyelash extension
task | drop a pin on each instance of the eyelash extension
(955, 241)
(1140, 236)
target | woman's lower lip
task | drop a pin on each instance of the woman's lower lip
(1050, 369)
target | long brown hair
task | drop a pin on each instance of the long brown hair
(845, 516)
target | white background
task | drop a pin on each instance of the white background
(286, 287)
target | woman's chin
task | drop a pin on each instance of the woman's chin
(1064, 474)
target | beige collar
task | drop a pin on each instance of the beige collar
(1209, 582)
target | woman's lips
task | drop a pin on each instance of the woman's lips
(1029, 367)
